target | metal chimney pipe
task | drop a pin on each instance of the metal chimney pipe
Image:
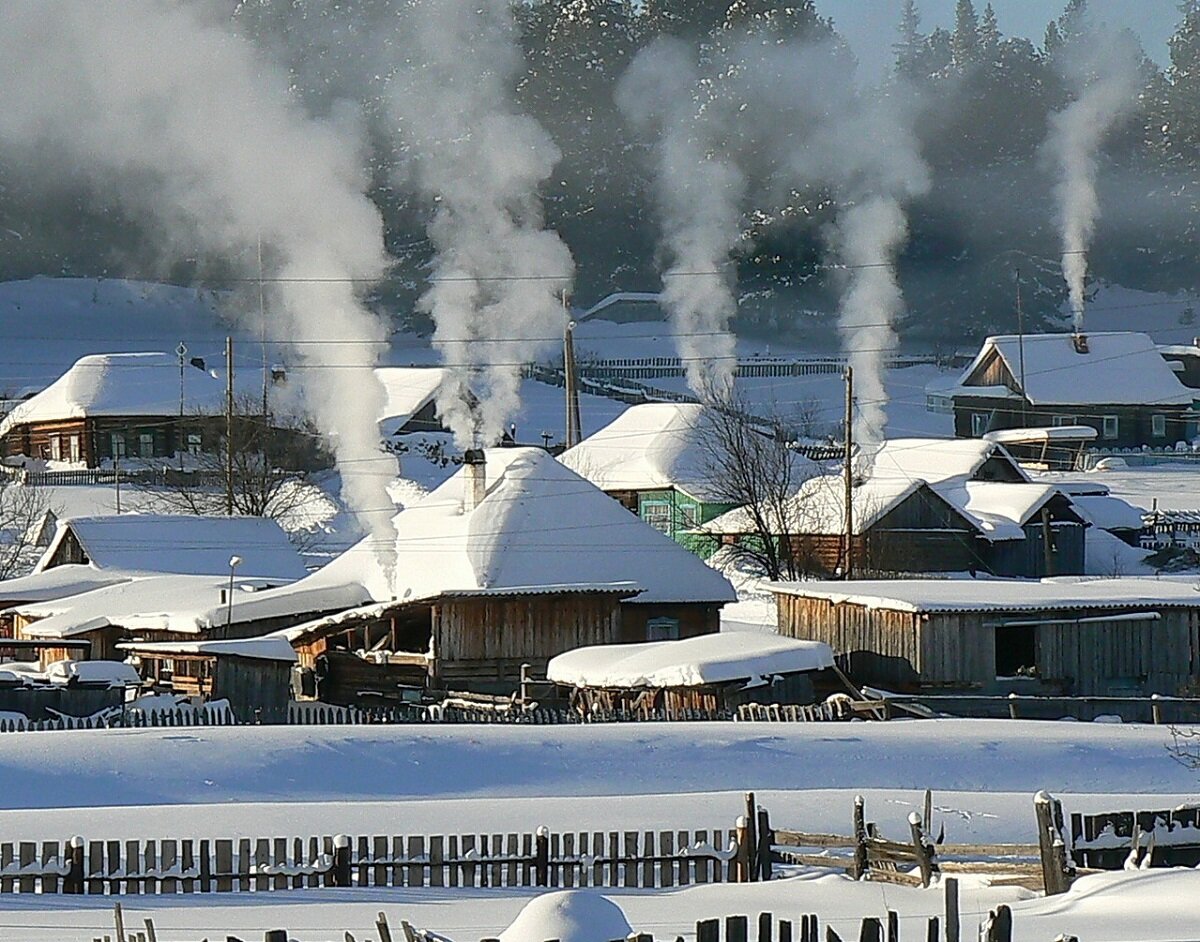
(475, 469)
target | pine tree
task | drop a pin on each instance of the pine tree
(965, 41)
(910, 47)
(989, 35)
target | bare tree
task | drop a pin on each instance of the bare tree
(22, 511)
(751, 462)
(270, 458)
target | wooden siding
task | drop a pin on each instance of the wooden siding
(255, 689)
(694, 619)
(958, 649)
(1134, 423)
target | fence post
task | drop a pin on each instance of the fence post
(741, 869)
(1156, 709)
(541, 857)
(766, 840)
(708, 930)
(341, 860)
(860, 840)
(74, 881)
(275, 935)
(921, 849)
(952, 924)
(751, 839)
(1053, 852)
(525, 683)
(998, 927)
(1012, 706)
(871, 931)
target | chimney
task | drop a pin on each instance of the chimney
(1080, 341)
(475, 469)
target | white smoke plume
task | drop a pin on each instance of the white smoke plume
(181, 123)
(700, 191)
(1103, 70)
(499, 275)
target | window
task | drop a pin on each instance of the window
(55, 448)
(979, 423)
(658, 515)
(146, 444)
(73, 447)
(1112, 427)
(1158, 426)
(193, 443)
(117, 441)
(1060, 421)
(662, 629)
(1016, 651)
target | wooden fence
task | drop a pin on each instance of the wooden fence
(1112, 840)
(256, 865)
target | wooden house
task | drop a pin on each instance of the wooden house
(410, 403)
(655, 461)
(1098, 637)
(118, 406)
(1116, 383)
(513, 560)
(927, 506)
(711, 674)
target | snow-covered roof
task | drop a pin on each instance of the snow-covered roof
(409, 389)
(540, 527)
(118, 384)
(719, 658)
(185, 544)
(1053, 433)
(1109, 513)
(1120, 368)
(272, 647)
(1002, 595)
(184, 605)
(57, 583)
(111, 673)
(999, 509)
(938, 459)
(648, 447)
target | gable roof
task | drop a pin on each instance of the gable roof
(1120, 368)
(940, 459)
(647, 447)
(184, 544)
(119, 384)
(409, 389)
(540, 528)
(57, 583)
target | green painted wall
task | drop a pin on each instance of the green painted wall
(673, 512)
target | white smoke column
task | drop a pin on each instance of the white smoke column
(700, 193)
(1104, 72)
(179, 121)
(499, 274)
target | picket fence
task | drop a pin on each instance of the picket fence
(256, 865)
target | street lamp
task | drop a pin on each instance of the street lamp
(234, 562)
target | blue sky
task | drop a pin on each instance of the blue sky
(870, 25)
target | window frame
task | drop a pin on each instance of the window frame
(1158, 425)
(1116, 427)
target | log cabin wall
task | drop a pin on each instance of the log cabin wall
(692, 619)
(482, 642)
(256, 689)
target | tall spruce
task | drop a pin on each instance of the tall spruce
(964, 42)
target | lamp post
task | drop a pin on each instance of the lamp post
(234, 562)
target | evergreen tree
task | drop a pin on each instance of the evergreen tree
(989, 35)
(909, 49)
(964, 45)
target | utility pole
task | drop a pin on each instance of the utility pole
(571, 380)
(262, 326)
(848, 475)
(181, 352)
(1021, 350)
(229, 426)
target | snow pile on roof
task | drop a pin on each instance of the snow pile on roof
(1054, 433)
(1108, 555)
(185, 544)
(1120, 368)
(999, 509)
(111, 673)
(185, 605)
(120, 384)
(57, 583)
(648, 447)
(409, 389)
(719, 658)
(568, 916)
(272, 647)
(540, 528)
(939, 459)
(997, 595)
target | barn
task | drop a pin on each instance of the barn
(1065, 636)
(513, 560)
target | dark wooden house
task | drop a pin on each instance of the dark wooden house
(1100, 637)
(1116, 383)
(928, 506)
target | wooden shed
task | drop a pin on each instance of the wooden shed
(1099, 637)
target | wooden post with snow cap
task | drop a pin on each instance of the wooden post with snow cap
(341, 860)
(74, 879)
(1056, 875)
(921, 849)
(741, 867)
(541, 857)
(861, 862)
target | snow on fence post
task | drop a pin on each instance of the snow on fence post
(922, 850)
(860, 840)
(1057, 870)
(541, 857)
(341, 860)
(74, 878)
(741, 869)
